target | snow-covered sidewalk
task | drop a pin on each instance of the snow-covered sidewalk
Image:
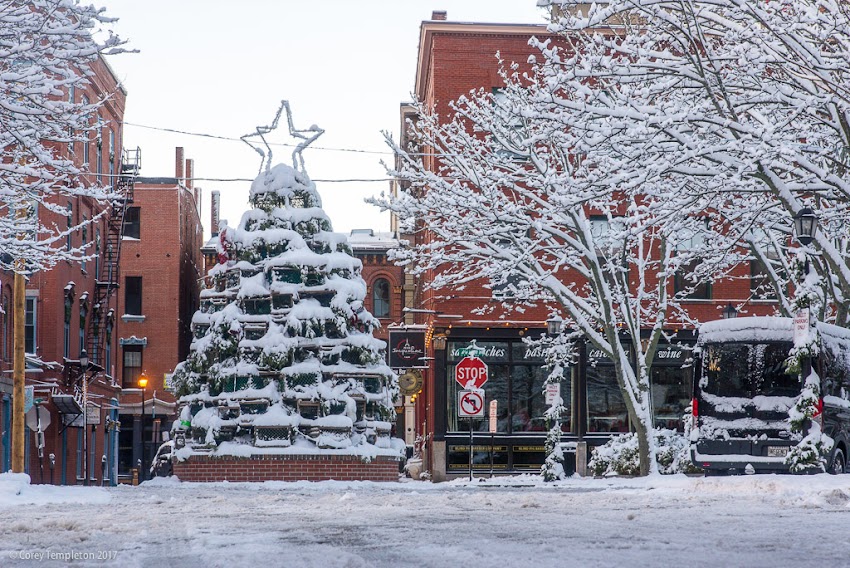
(658, 521)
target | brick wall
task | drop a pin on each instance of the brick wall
(286, 468)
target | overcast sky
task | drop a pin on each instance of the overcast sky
(221, 68)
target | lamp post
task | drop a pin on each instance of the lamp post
(84, 367)
(729, 312)
(805, 227)
(143, 383)
(553, 326)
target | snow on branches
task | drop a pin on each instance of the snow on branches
(47, 48)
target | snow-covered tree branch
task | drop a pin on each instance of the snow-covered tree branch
(47, 48)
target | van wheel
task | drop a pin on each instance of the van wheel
(839, 463)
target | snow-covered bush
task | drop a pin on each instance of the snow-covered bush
(810, 453)
(619, 456)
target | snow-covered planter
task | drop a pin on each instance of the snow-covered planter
(619, 456)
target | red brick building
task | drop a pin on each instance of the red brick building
(68, 310)
(161, 267)
(388, 292)
(454, 59)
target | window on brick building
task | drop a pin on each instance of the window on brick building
(70, 221)
(111, 157)
(381, 298)
(132, 223)
(132, 366)
(85, 240)
(508, 134)
(30, 324)
(99, 151)
(133, 295)
(86, 144)
(6, 321)
(686, 280)
(761, 286)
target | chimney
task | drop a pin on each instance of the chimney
(215, 211)
(439, 15)
(190, 173)
(178, 169)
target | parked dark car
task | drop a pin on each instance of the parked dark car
(743, 392)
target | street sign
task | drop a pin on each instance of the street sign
(471, 372)
(494, 412)
(470, 404)
(32, 420)
(801, 326)
(407, 349)
(92, 414)
(29, 398)
(553, 393)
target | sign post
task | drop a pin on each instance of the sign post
(494, 412)
(470, 404)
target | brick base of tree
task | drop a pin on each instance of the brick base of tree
(267, 467)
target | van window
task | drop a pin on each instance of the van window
(747, 370)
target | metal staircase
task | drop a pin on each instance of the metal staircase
(102, 315)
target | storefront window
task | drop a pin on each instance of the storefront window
(527, 404)
(606, 409)
(671, 380)
(516, 378)
(669, 397)
(496, 389)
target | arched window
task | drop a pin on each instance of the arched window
(381, 299)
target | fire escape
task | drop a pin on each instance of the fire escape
(102, 318)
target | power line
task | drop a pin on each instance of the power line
(226, 180)
(355, 180)
(231, 139)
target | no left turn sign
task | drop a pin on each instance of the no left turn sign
(470, 404)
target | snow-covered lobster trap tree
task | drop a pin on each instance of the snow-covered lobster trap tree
(283, 354)
(47, 49)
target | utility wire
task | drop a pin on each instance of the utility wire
(231, 139)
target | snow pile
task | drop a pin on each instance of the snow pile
(620, 456)
(16, 490)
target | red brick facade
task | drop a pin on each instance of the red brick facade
(47, 293)
(455, 59)
(165, 257)
(286, 468)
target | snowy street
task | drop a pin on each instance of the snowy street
(743, 521)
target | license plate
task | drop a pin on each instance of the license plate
(777, 451)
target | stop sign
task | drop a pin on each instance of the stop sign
(471, 373)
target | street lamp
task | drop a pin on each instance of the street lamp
(84, 369)
(143, 383)
(729, 312)
(553, 326)
(805, 225)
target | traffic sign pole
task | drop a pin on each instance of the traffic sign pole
(470, 448)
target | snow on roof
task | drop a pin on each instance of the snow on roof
(367, 239)
(765, 328)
